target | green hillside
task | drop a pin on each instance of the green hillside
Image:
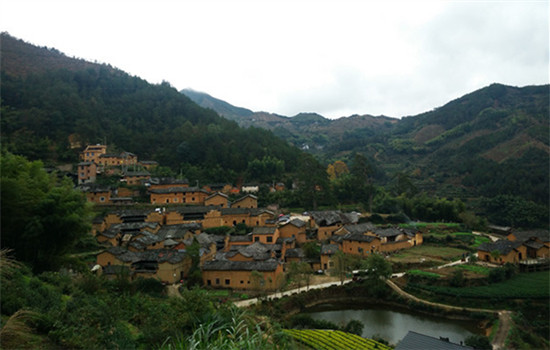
(49, 99)
(491, 143)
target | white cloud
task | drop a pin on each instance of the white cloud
(332, 57)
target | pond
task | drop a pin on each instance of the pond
(392, 324)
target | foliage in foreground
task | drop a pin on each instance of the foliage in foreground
(232, 329)
(43, 218)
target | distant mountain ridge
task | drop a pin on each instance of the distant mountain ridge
(302, 130)
(492, 141)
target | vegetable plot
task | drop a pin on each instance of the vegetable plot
(333, 340)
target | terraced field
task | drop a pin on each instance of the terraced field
(334, 340)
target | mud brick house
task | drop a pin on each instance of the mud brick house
(148, 164)
(502, 251)
(92, 153)
(178, 195)
(247, 216)
(537, 243)
(135, 177)
(207, 216)
(359, 244)
(126, 216)
(119, 233)
(294, 228)
(248, 201)
(252, 252)
(95, 193)
(237, 241)
(86, 172)
(294, 255)
(327, 252)
(169, 266)
(393, 239)
(217, 199)
(117, 159)
(166, 182)
(265, 234)
(221, 187)
(241, 275)
(325, 223)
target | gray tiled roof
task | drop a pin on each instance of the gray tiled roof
(417, 341)
(388, 232)
(263, 230)
(241, 211)
(331, 217)
(523, 236)
(176, 190)
(177, 231)
(329, 249)
(295, 222)
(227, 265)
(358, 237)
(295, 253)
(503, 246)
(360, 228)
(158, 255)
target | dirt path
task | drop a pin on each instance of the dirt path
(505, 320)
(401, 292)
(173, 290)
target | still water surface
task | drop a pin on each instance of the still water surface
(393, 324)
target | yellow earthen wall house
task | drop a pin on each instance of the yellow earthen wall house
(238, 275)
(362, 246)
(218, 199)
(248, 201)
(178, 195)
(325, 232)
(296, 230)
(393, 246)
(99, 197)
(502, 252)
(92, 153)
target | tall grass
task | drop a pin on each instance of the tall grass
(237, 331)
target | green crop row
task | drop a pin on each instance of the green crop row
(527, 285)
(482, 270)
(334, 340)
(427, 274)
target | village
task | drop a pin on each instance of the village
(156, 242)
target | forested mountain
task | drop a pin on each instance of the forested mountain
(309, 131)
(491, 142)
(50, 101)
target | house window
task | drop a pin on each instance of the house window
(102, 199)
(167, 200)
(217, 281)
(192, 199)
(175, 199)
(331, 263)
(242, 282)
(208, 282)
(269, 239)
(227, 282)
(256, 239)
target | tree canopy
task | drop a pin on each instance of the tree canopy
(43, 217)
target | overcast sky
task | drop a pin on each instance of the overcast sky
(336, 58)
